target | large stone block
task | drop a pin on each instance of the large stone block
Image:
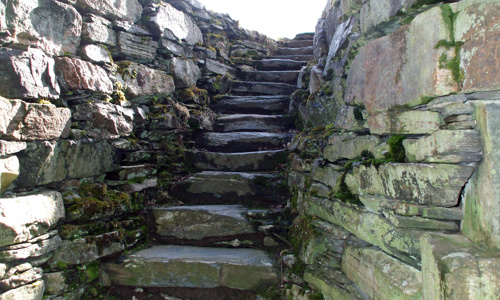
(105, 120)
(77, 74)
(27, 74)
(26, 217)
(34, 248)
(375, 12)
(9, 170)
(391, 71)
(50, 25)
(125, 10)
(407, 122)
(133, 47)
(47, 162)
(482, 195)
(381, 276)
(446, 146)
(476, 26)
(185, 72)
(30, 291)
(146, 82)
(96, 29)
(24, 121)
(431, 184)
(453, 268)
(350, 146)
(173, 24)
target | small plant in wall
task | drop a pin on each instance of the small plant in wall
(43, 101)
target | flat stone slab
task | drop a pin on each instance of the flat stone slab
(296, 51)
(253, 104)
(299, 43)
(302, 58)
(199, 222)
(242, 141)
(195, 267)
(262, 88)
(239, 162)
(241, 122)
(212, 187)
(289, 77)
(279, 64)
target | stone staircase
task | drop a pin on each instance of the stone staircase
(219, 236)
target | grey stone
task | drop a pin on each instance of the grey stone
(20, 120)
(199, 222)
(173, 24)
(239, 162)
(378, 204)
(50, 25)
(418, 223)
(279, 65)
(31, 249)
(81, 251)
(338, 40)
(7, 147)
(203, 267)
(136, 48)
(215, 67)
(131, 28)
(41, 212)
(446, 146)
(146, 82)
(375, 13)
(96, 54)
(125, 10)
(440, 213)
(406, 122)
(105, 120)
(350, 146)
(380, 275)
(316, 79)
(432, 184)
(252, 105)
(96, 29)
(328, 174)
(289, 77)
(30, 291)
(242, 141)
(263, 88)
(19, 276)
(247, 122)
(350, 118)
(77, 74)
(185, 72)
(9, 171)
(27, 74)
(168, 46)
(455, 109)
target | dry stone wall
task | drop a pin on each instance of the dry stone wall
(394, 172)
(100, 102)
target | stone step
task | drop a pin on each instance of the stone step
(299, 43)
(304, 36)
(289, 77)
(247, 122)
(296, 51)
(303, 58)
(221, 222)
(262, 88)
(214, 187)
(253, 104)
(240, 162)
(279, 64)
(194, 267)
(242, 141)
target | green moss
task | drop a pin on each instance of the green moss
(301, 232)
(396, 148)
(344, 194)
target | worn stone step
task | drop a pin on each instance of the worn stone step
(244, 122)
(253, 104)
(204, 221)
(289, 77)
(304, 36)
(213, 187)
(303, 58)
(279, 64)
(240, 162)
(242, 141)
(194, 267)
(262, 88)
(299, 43)
(296, 51)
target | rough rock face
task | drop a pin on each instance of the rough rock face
(105, 120)
(147, 81)
(9, 170)
(132, 47)
(24, 121)
(27, 74)
(186, 72)
(126, 10)
(76, 74)
(170, 23)
(50, 25)
(96, 29)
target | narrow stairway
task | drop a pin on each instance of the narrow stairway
(219, 236)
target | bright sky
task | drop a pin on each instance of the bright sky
(274, 18)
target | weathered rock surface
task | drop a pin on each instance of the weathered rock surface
(240, 122)
(350, 146)
(27, 74)
(96, 54)
(125, 10)
(146, 82)
(289, 77)
(133, 47)
(46, 162)
(380, 275)
(199, 222)
(215, 67)
(33, 248)
(105, 120)
(24, 121)
(20, 275)
(170, 23)
(252, 104)
(50, 25)
(432, 184)
(388, 71)
(76, 74)
(446, 146)
(41, 212)
(30, 291)
(375, 13)
(8, 147)
(239, 162)
(180, 266)
(9, 170)
(407, 122)
(185, 72)
(279, 65)
(262, 88)
(242, 141)
(96, 29)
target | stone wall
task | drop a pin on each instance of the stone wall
(394, 174)
(100, 104)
